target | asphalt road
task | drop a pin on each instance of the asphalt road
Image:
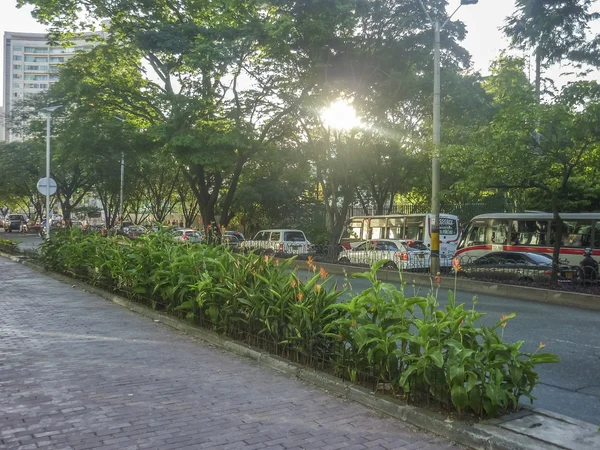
(571, 387)
(29, 241)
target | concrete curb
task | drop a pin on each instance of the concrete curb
(548, 296)
(486, 435)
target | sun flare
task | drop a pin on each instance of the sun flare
(340, 115)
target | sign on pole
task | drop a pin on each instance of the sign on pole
(46, 188)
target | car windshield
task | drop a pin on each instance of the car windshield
(294, 236)
(15, 217)
(415, 245)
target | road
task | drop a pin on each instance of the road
(571, 387)
(29, 241)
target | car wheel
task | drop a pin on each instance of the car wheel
(390, 266)
(344, 260)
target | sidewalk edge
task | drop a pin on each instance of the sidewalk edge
(473, 437)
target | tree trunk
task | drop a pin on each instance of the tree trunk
(557, 238)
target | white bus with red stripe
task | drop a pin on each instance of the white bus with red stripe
(530, 232)
(412, 227)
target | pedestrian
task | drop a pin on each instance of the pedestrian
(23, 226)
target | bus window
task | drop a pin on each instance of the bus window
(395, 228)
(574, 234)
(476, 235)
(377, 228)
(597, 235)
(414, 231)
(500, 232)
(532, 232)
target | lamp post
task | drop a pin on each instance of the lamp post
(122, 180)
(48, 111)
(435, 157)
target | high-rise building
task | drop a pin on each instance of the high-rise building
(31, 66)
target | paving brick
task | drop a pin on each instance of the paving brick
(79, 372)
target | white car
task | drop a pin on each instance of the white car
(399, 254)
(186, 235)
(281, 241)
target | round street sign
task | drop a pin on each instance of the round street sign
(46, 188)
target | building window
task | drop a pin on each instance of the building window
(16, 94)
(30, 76)
(53, 68)
(16, 85)
(17, 48)
(16, 66)
(36, 49)
(17, 57)
(36, 59)
(56, 59)
(17, 76)
(43, 85)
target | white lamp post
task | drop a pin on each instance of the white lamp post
(48, 111)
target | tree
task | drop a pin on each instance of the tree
(555, 30)
(547, 149)
(200, 52)
(21, 166)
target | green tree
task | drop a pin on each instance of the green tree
(554, 30)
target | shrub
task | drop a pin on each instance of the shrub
(405, 343)
(8, 246)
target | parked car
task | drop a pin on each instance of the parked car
(399, 254)
(13, 222)
(240, 237)
(134, 231)
(280, 241)
(186, 235)
(230, 240)
(514, 266)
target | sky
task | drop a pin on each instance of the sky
(484, 40)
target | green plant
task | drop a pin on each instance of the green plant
(8, 246)
(379, 335)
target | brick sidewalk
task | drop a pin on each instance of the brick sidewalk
(79, 372)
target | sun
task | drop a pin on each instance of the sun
(340, 115)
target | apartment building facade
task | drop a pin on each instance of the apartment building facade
(31, 66)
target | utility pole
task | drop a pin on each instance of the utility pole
(435, 156)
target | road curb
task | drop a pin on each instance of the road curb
(548, 296)
(486, 435)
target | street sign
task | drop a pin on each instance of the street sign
(44, 188)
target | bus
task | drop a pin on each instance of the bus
(531, 232)
(414, 227)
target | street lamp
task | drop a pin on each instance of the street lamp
(122, 180)
(48, 111)
(435, 157)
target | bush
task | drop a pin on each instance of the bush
(408, 345)
(8, 246)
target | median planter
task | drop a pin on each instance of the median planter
(514, 431)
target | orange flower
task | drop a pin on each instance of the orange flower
(276, 262)
(323, 273)
(438, 279)
(300, 296)
(504, 318)
(266, 258)
(293, 283)
(318, 287)
(542, 345)
(352, 324)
